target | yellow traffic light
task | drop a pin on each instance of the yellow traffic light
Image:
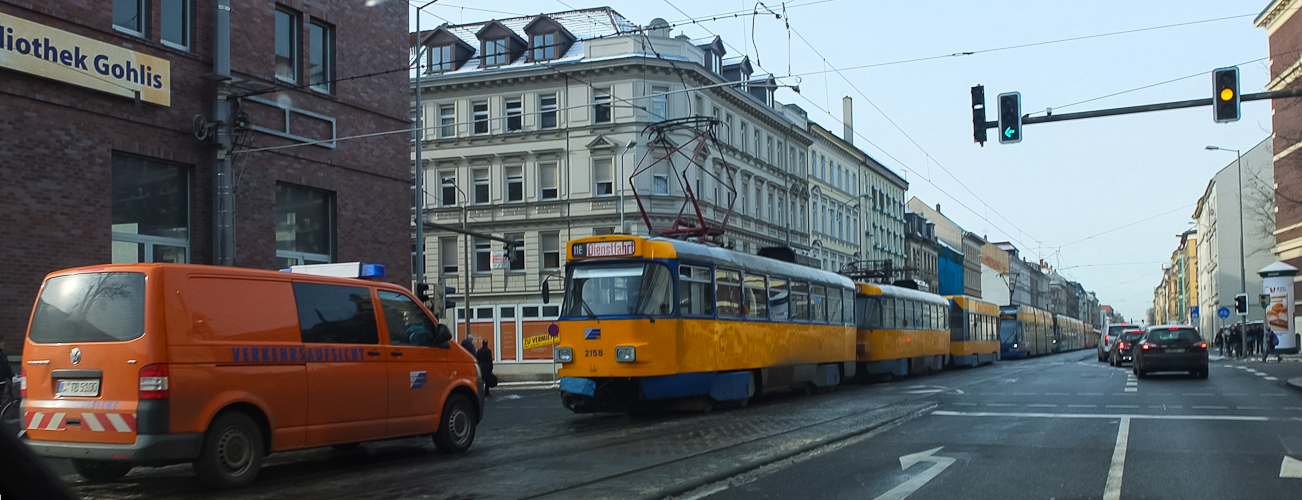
(1227, 94)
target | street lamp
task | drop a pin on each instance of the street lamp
(418, 142)
(1243, 275)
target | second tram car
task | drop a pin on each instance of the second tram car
(648, 321)
(1024, 331)
(1069, 333)
(901, 331)
(973, 331)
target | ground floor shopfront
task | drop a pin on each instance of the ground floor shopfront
(519, 334)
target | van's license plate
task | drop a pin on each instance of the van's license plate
(75, 387)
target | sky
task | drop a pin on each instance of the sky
(1065, 181)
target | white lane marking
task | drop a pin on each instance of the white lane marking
(964, 404)
(1159, 394)
(1227, 366)
(1250, 407)
(1260, 374)
(993, 394)
(1132, 389)
(916, 482)
(1057, 394)
(1273, 395)
(1121, 406)
(1234, 394)
(1270, 378)
(1038, 405)
(1294, 408)
(1000, 404)
(1157, 407)
(1112, 491)
(1127, 393)
(1290, 467)
(1024, 394)
(1198, 394)
(1089, 394)
(1114, 416)
(1082, 406)
(1210, 407)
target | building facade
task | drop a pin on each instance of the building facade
(1284, 30)
(923, 266)
(834, 181)
(1217, 216)
(541, 146)
(953, 235)
(109, 155)
(997, 282)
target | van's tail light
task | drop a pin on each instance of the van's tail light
(154, 382)
(22, 383)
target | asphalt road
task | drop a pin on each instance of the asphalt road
(1039, 428)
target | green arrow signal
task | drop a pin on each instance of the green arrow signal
(1008, 132)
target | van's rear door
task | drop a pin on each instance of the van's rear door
(85, 351)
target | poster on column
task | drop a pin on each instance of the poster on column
(1277, 281)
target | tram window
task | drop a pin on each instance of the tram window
(869, 312)
(728, 292)
(617, 290)
(849, 306)
(757, 300)
(928, 316)
(834, 306)
(901, 317)
(818, 302)
(888, 313)
(695, 291)
(800, 300)
(657, 293)
(914, 315)
(779, 299)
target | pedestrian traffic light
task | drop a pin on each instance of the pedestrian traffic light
(979, 114)
(1241, 304)
(1010, 118)
(1225, 94)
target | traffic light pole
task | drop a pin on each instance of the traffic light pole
(1031, 120)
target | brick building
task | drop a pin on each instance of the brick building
(100, 144)
(1285, 39)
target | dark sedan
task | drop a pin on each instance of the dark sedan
(1120, 352)
(1170, 348)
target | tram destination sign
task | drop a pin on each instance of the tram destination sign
(604, 249)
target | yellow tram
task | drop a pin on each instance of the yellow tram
(973, 331)
(653, 320)
(901, 331)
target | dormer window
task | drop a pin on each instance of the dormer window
(544, 47)
(440, 59)
(495, 53)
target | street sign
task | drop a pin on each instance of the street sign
(1223, 312)
(1193, 312)
(499, 260)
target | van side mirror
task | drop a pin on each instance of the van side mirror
(442, 334)
(547, 292)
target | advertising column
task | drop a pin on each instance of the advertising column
(1277, 281)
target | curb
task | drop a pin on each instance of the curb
(527, 386)
(1295, 384)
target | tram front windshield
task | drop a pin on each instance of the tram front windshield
(1008, 330)
(618, 289)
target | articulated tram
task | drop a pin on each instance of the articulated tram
(974, 331)
(652, 320)
(1024, 331)
(1069, 333)
(901, 331)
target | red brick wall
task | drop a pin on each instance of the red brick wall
(57, 141)
(1285, 49)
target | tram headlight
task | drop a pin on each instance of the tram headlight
(564, 354)
(625, 354)
(1014, 346)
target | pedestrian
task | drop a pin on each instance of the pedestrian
(469, 344)
(485, 358)
(1236, 341)
(1220, 341)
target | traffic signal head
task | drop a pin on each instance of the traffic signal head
(1010, 118)
(1225, 94)
(1241, 304)
(979, 114)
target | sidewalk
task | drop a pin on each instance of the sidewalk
(527, 385)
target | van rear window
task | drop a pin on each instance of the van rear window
(97, 307)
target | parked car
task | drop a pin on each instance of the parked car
(1109, 335)
(1170, 348)
(1121, 346)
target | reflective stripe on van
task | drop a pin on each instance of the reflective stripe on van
(97, 422)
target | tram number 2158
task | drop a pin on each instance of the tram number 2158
(592, 353)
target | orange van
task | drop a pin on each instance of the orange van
(153, 364)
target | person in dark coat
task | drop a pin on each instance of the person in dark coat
(469, 344)
(485, 358)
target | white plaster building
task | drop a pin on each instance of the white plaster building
(535, 130)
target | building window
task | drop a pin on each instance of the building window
(517, 257)
(176, 23)
(769, 152)
(483, 256)
(757, 141)
(440, 58)
(495, 52)
(660, 184)
(480, 109)
(448, 256)
(601, 105)
(659, 103)
(447, 120)
(548, 182)
(727, 128)
(551, 250)
(744, 129)
(544, 47)
(481, 186)
(129, 16)
(151, 211)
(448, 188)
(602, 174)
(286, 45)
(514, 115)
(321, 67)
(547, 111)
(514, 183)
(305, 225)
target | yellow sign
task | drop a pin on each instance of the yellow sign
(74, 59)
(543, 340)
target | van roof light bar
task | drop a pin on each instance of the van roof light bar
(340, 270)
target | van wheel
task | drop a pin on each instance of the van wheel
(457, 426)
(100, 472)
(232, 452)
